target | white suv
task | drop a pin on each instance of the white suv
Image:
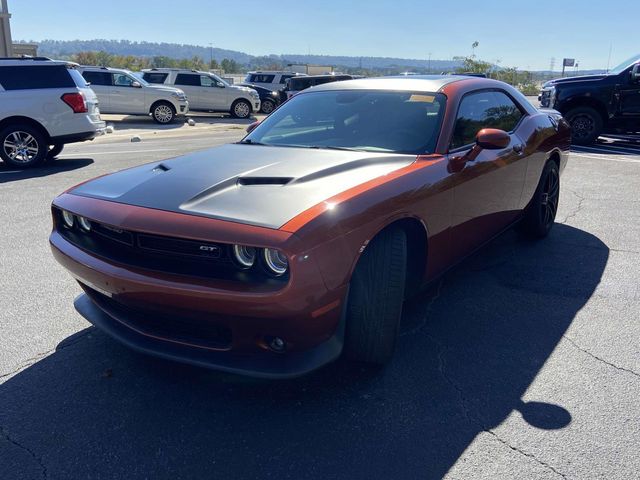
(44, 104)
(120, 92)
(271, 79)
(207, 92)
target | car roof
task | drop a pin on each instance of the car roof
(424, 83)
(108, 69)
(26, 61)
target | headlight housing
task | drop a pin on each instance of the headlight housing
(244, 256)
(275, 261)
(68, 219)
(84, 223)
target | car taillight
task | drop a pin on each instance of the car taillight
(76, 101)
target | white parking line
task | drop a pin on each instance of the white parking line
(605, 157)
(84, 154)
(609, 149)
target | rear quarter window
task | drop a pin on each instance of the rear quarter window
(31, 77)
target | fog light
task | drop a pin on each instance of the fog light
(84, 224)
(277, 344)
(67, 217)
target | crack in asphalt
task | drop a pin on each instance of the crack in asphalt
(427, 309)
(30, 361)
(599, 359)
(465, 410)
(8, 438)
(576, 210)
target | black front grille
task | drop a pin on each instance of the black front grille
(179, 328)
(164, 254)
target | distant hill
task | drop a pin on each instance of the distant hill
(64, 49)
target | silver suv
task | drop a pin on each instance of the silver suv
(44, 104)
(121, 92)
(207, 92)
(272, 79)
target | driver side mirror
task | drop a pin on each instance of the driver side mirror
(219, 85)
(635, 72)
(486, 139)
(136, 84)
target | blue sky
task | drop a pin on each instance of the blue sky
(522, 34)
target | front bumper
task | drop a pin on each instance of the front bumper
(220, 324)
(183, 107)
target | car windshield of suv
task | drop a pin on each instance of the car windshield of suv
(377, 121)
(623, 66)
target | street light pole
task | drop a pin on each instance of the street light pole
(210, 55)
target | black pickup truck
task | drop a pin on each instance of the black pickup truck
(595, 104)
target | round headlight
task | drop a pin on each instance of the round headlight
(245, 256)
(67, 217)
(84, 224)
(276, 261)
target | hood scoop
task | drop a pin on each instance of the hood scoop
(246, 181)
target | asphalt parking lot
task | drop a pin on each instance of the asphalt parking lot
(522, 363)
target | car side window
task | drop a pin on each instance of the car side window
(154, 77)
(122, 80)
(487, 109)
(98, 78)
(188, 79)
(262, 78)
(206, 81)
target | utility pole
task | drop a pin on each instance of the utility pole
(6, 49)
(429, 70)
(210, 55)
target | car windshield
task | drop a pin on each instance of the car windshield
(218, 79)
(377, 121)
(623, 66)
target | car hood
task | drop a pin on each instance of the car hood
(168, 90)
(584, 78)
(257, 185)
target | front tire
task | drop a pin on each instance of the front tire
(586, 125)
(163, 113)
(267, 106)
(22, 146)
(540, 215)
(241, 109)
(376, 295)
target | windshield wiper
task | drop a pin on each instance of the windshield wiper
(329, 147)
(248, 141)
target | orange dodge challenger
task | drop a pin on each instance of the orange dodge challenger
(274, 255)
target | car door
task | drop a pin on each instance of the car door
(189, 83)
(100, 83)
(126, 97)
(630, 96)
(488, 189)
(218, 97)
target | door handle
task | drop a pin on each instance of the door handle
(518, 148)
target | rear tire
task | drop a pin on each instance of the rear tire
(163, 113)
(241, 109)
(586, 125)
(376, 295)
(54, 151)
(540, 215)
(23, 146)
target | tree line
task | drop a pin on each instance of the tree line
(132, 62)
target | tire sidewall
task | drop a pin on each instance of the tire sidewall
(268, 102)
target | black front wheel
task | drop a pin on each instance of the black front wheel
(586, 125)
(376, 296)
(267, 106)
(540, 215)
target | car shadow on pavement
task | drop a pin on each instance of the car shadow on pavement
(52, 167)
(469, 349)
